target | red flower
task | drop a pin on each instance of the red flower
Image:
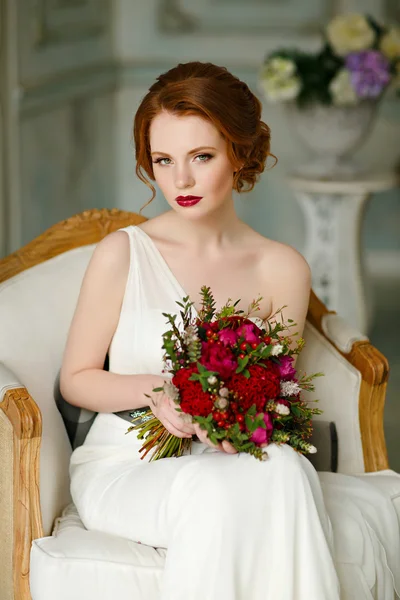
(192, 398)
(262, 385)
(219, 359)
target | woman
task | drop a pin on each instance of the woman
(235, 528)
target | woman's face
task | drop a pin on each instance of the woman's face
(190, 159)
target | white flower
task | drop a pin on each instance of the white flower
(171, 390)
(289, 388)
(282, 409)
(221, 403)
(224, 392)
(311, 449)
(212, 380)
(350, 33)
(276, 90)
(276, 350)
(390, 43)
(278, 80)
(342, 90)
(282, 67)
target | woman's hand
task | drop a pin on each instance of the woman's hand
(166, 411)
(225, 446)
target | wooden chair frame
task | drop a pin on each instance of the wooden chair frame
(24, 416)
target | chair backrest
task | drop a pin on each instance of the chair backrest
(36, 308)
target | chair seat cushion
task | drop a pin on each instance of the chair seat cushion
(91, 565)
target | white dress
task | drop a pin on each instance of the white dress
(235, 528)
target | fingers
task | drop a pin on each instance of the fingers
(228, 447)
(225, 446)
(203, 437)
(174, 430)
(180, 422)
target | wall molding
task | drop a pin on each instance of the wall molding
(58, 90)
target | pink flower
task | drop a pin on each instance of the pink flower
(228, 336)
(262, 436)
(248, 331)
(219, 359)
(286, 370)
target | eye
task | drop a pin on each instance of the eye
(204, 157)
(158, 161)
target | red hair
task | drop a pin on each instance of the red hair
(210, 92)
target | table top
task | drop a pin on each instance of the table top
(365, 183)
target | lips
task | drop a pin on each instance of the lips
(188, 200)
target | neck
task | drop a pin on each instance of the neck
(211, 231)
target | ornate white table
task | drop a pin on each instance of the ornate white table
(333, 213)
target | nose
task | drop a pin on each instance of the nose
(183, 178)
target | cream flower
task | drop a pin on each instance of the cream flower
(276, 350)
(350, 33)
(278, 80)
(282, 409)
(390, 43)
(342, 90)
(311, 449)
(282, 67)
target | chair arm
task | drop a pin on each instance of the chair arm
(20, 515)
(340, 332)
(374, 370)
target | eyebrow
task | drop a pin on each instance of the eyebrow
(190, 152)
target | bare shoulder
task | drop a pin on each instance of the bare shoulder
(279, 261)
(112, 252)
(284, 257)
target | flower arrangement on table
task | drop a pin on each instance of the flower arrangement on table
(234, 378)
(360, 58)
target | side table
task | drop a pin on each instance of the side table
(333, 213)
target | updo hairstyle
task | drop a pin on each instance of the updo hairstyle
(211, 92)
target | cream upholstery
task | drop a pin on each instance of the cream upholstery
(36, 308)
(338, 392)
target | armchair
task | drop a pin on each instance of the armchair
(40, 530)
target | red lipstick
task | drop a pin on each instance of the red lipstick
(188, 200)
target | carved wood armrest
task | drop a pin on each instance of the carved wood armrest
(374, 369)
(20, 515)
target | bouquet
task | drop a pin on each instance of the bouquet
(359, 59)
(234, 378)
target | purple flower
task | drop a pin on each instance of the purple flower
(228, 336)
(286, 370)
(262, 436)
(369, 72)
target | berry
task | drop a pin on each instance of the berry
(241, 355)
(209, 333)
(243, 346)
(254, 345)
(221, 423)
(267, 339)
(240, 418)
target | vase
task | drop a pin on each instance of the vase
(332, 134)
